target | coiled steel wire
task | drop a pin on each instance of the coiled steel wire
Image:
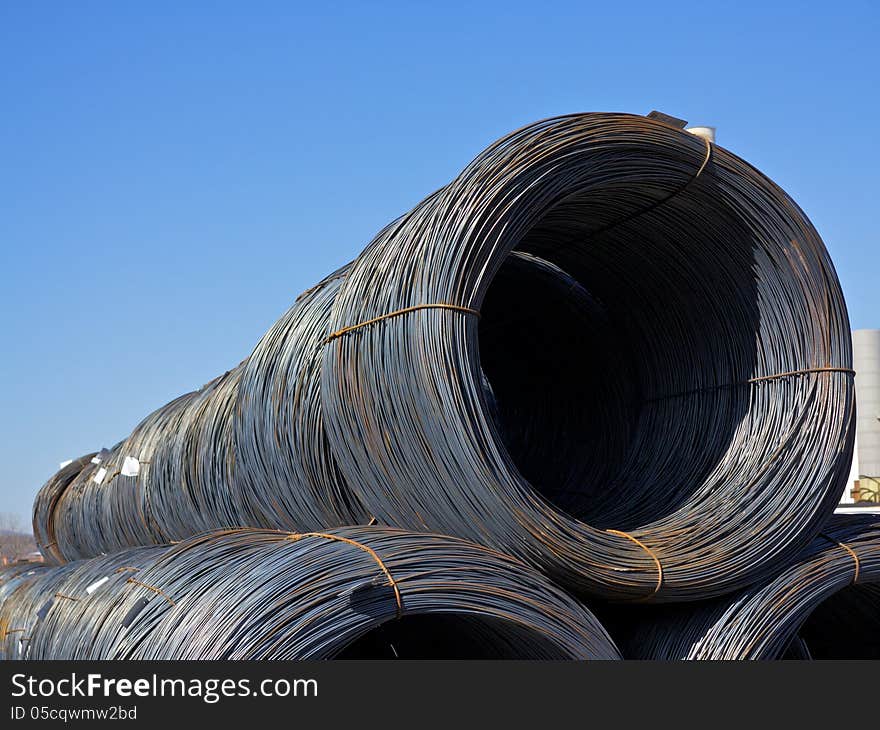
(824, 604)
(11, 576)
(641, 446)
(65, 619)
(46, 502)
(247, 448)
(191, 468)
(21, 588)
(730, 341)
(256, 594)
(91, 517)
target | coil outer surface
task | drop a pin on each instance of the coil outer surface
(609, 348)
(258, 594)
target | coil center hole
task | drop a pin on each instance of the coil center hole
(450, 636)
(602, 355)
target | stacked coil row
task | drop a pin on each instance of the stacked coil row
(258, 594)
(608, 348)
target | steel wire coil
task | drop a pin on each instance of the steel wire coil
(21, 590)
(259, 594)
(192, 466)
(638, 445)
(45, 504)
(822, 605)
(731, 345)
(66, 620)
(91, 517)
(11, 576)
(84, 520)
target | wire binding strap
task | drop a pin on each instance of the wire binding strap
(397, 313)
(157, 591)
(807, 371)
(759, 379)
(851, 552)
(658, 203)
(69, 598)
(320, 285)
(653, 557)
(295, 536)
(125, 568)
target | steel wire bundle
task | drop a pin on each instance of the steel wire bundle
(189, 489)
(46, 502)
(353, 592)
(57, 603)
(637, 443)
(845, 626)
(21, 591)
(247, 448)
(732, 342)
(823, 605)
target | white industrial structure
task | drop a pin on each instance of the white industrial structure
(864, 481)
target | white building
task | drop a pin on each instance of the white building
(864, 480)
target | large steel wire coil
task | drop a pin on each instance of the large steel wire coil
(352, 592)
(46, 502)
(102, 510)
(12, 576)
(729, 343)
(191, 469)
(823, 605)
(21, 588)
(635, 438)
(67, 621)
(57, 601)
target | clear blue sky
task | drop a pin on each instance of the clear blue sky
(172, 175)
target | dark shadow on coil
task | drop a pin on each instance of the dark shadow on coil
(605, 371)
(846, 626)
(563, 386)
(448, 636)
